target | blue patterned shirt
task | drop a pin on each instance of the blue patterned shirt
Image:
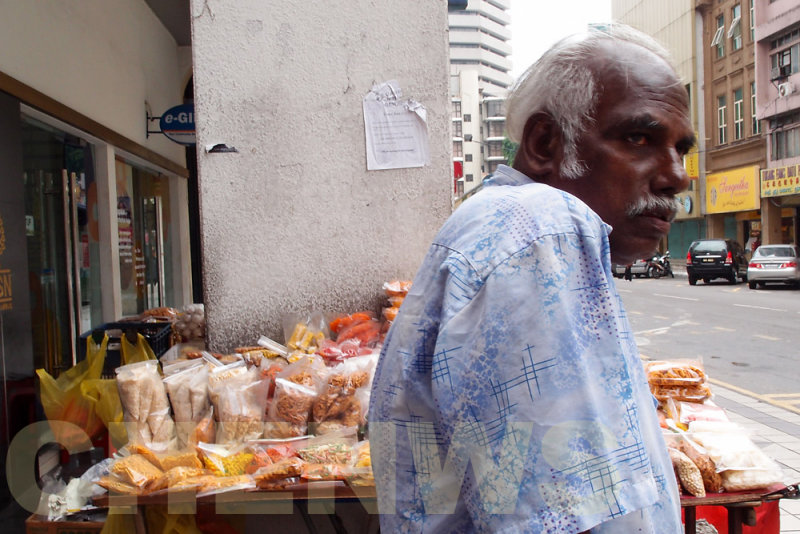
(509, 396)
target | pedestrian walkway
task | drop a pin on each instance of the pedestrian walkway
(776, 431)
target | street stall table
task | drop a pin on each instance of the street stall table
(740, 508)
(304, 500)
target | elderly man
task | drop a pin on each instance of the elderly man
(510, 396)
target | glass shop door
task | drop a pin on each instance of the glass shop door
(62, 240)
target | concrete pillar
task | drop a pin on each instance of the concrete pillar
(770, 222)
(293, 221)
(715, 225)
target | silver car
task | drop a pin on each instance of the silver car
(774, 263)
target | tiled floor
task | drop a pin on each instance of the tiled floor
(777, 432)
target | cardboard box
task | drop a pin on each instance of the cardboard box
(37, 524)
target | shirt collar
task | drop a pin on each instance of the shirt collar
(505, 175)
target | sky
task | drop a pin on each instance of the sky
(537, 24)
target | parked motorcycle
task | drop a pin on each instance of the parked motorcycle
(660, 266)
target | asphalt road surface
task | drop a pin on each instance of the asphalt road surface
(746, 338)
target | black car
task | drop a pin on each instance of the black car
(708, 259)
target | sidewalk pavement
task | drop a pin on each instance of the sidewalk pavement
(775, 430)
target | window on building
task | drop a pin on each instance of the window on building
(457, 129)
(495, 129)
(468, 177)
(756, 126)
(456, 110)
(467, 157)
(467, 117)
(786, 143)
(785, 62)
(718, 40)
(493, 166)
(459, 188)
(494, 108)
(735, 31)
(753, 21)
(458, 149)
(143, 199)
(495, 149)
(738, 114)
(722, 121)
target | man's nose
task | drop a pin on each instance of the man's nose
(673, 178)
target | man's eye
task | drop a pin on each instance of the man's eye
(637, 139)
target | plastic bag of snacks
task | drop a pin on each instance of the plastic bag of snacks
(344, 398)
(296, 389)
(742, 465)
(145, 405)
(239, 397)
(190, 323)
(396, 292)
(304, 334)
(188, 395)
(678, 380)
(328, 457)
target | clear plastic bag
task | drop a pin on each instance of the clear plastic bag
(145, 405)
(741, 463)
(344, 399)
(188, 396)
(296, 389)
(239, 397)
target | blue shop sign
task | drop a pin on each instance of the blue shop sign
(177, 124)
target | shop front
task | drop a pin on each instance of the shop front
(732, 203)
(82, 230)
(90, 233)
(780, 193)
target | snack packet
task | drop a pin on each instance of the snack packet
(239, 398)
(188, 395)
(146, 409)
(296, 388)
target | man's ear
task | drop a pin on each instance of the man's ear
(539, 153)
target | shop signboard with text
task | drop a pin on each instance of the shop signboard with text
(780, 181)
(733, 190)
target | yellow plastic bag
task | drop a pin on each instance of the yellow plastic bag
(103, 394)
(62, 399)
(119, 523)
(159, 521)
(139, 352)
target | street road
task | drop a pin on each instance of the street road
(746, 338)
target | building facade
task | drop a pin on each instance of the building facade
(674, 25)
(713, 43)
(735, 147)
(479, 81)
(94, 208)
(777, 35)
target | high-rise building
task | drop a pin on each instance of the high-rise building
(479, 82)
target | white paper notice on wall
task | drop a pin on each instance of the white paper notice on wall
(396, 131)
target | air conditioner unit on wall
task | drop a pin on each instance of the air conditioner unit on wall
(785, 89)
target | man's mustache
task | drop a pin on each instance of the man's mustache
(665, 207)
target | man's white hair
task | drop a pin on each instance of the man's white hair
(561, 83)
